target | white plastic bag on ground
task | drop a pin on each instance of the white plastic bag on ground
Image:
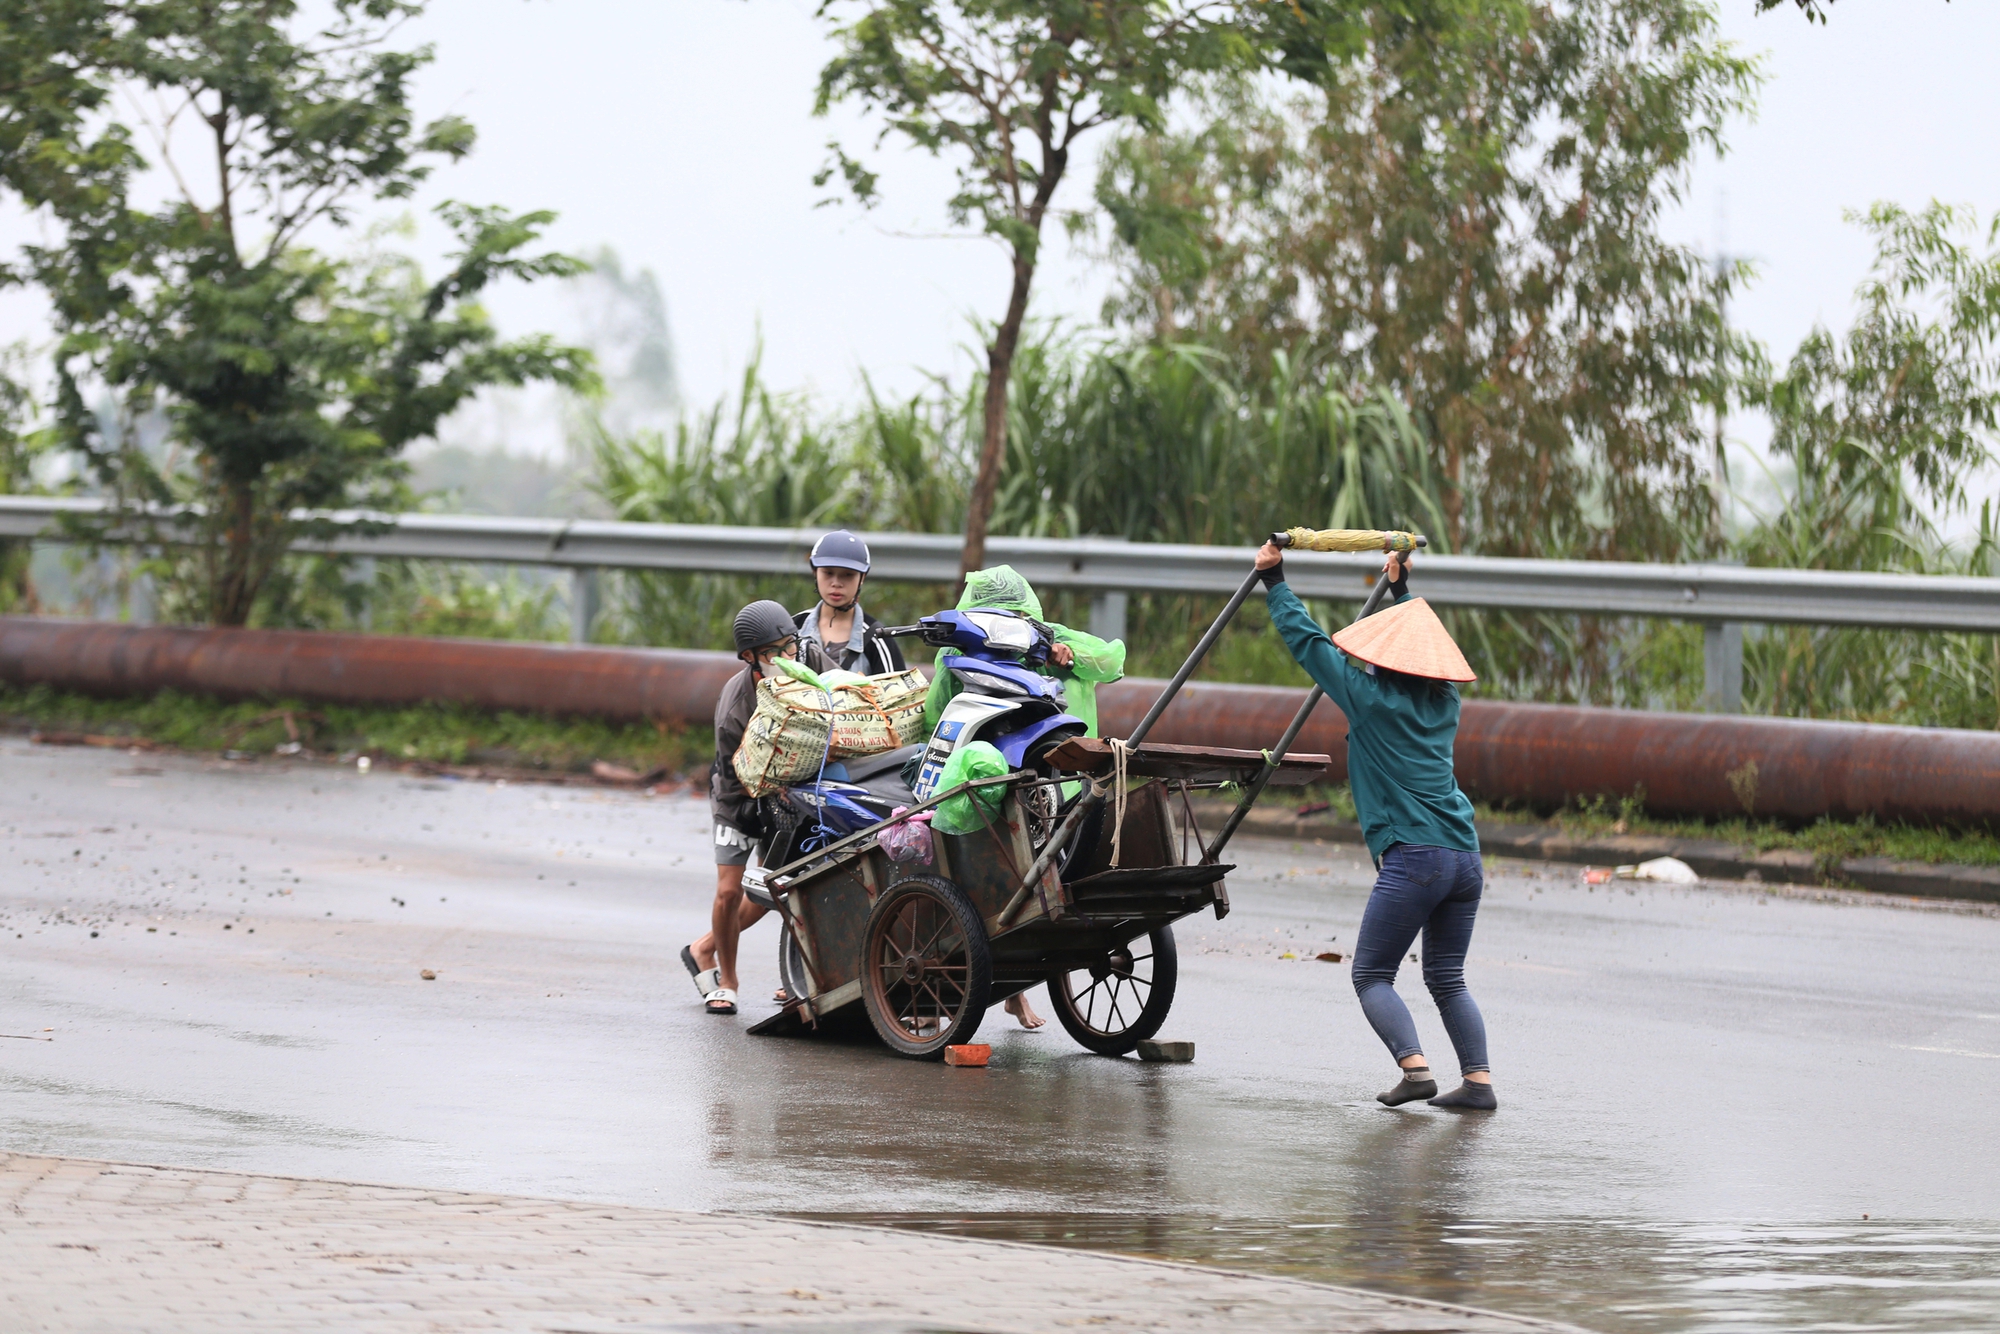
(1667, 870)
(788, 735)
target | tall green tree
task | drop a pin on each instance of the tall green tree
(1007, 89)
(55, 152)
(1877, 431)
(17, 450)
(289, 379)
(1469, 212)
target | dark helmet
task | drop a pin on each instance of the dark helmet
(763, 623)
(841, 549)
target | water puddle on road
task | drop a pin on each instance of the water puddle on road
(1616, 1277)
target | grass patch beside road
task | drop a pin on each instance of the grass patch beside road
(1830, 841)
(433, 733)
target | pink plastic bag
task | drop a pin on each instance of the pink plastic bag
(909, 840)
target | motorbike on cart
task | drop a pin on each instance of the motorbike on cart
(1002, 700)
(1094, 853)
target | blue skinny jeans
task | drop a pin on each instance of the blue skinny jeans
(1435, 891)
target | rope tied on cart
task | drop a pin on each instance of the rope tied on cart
(822, 835)
(1120, 757)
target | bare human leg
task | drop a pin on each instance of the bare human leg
(746, 915)
(731, 913)
(1017, 1005)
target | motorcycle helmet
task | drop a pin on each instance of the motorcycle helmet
(761, 623)
(842, 550)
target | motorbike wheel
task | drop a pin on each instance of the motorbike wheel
(1043, 805)
(1121, 999)
(792, 974)
(926, 967)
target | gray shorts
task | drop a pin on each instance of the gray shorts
(732, 845)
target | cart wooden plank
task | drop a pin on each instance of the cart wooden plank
(1192, 764)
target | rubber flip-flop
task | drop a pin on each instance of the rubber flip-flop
(720, 1001)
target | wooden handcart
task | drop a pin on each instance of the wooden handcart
(926, 947)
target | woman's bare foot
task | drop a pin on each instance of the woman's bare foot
(1017, 1005)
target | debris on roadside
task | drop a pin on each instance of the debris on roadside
(91, 739)
(606, 772)
(1667, 870)
(1175, 1053)
(428, 975)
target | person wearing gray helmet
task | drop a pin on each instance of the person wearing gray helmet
(848, 635)
(763, 632)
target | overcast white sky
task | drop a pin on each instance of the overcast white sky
(680, 133)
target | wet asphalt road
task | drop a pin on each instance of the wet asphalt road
(1703, 1090)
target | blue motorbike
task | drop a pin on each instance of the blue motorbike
(1003, 701)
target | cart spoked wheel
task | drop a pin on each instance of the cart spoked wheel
(926, 970)
(1122, 998)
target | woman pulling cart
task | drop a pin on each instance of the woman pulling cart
(1396, 686)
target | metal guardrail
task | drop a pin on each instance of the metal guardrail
(1704, 593)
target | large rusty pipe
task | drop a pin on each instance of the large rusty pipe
(108, 659)
(1538, 754)
(1547, 755)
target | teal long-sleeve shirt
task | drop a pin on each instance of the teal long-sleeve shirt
(1399, 738)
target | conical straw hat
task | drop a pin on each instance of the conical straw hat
(1407, 638)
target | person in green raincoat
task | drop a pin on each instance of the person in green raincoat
(1082, 662)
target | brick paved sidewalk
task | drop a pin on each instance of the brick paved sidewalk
(90, 1246)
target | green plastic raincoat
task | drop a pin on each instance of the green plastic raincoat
(1097, 662)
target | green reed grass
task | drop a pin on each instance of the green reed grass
(438, 733)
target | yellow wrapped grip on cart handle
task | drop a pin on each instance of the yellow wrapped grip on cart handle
(1351, 539)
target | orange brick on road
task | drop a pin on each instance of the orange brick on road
(970, 1053)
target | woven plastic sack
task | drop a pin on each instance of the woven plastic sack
(787, 738)
(969, 812)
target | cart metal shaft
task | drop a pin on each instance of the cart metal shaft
(1277, 753)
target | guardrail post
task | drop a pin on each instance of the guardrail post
(142, 600)
(1722, 666)
(585, 598)
(364, 575)
(1108, 606)
(1107, 615)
